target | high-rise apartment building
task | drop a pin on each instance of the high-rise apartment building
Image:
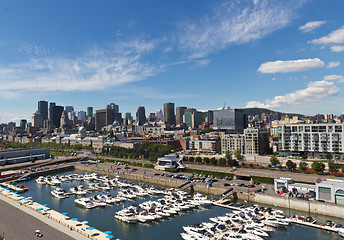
(141, 115)
(43, 109)
(179, 114)
(169, 116)
(316, 139)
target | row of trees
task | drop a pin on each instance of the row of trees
(221, 161)
(317, 166)
(149, 151)
(52, 145)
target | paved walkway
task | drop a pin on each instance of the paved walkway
(18, 223)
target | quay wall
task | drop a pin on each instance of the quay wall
(152, 180)
(314, 207)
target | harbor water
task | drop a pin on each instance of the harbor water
(169, 229)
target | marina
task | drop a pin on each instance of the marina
(103, 218)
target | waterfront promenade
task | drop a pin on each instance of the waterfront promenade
(20, 223)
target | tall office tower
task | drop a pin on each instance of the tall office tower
(151, 117)
(23, 123)
(169, 117)
(113, 106)
(51, 105)
(89, 112)
(229, 119)
(128, 116)
(69, 109)
(105, 117)
(55, 115)
(159, 115)
(37, 120)
(179, 114)
(43, 109)
(141, 115)
(209, 118)
(81, 115)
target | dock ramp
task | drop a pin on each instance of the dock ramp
(184, 185)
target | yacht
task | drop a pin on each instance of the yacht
(41, 180)
(78, 190)
(341, 232)
(59, 193)
(145, 217)
(126, 216)
(52, 181)
(85, 202)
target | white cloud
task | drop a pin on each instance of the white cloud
(290, 66)
(337, 48)
(234, 22)
(335, 37)
(97, 69)
(337, 78)
(315, 91)
(310, 26)
(333, 64)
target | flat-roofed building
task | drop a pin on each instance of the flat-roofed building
(232, 142)
(331, 190)
(316, 139)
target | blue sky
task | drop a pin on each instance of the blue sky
(283, 55)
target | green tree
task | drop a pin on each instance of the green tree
(228, 155)
(213, 161)
(198, 159)
(274, 160)
(237, 154)
(304, 156)
(222, 162)
(291, 165)
(206, 160)
(332, 166)
(303, 166)
(318, 166)
(329, 156)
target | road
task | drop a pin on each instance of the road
(19, 225)
(254, 172)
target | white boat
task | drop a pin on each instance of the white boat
(59, 193)
(52, 181)
(41, 180)
(78, 190)
(341, 232)
(126, 216)
(85, 202)
(274, 222)
(145, 217)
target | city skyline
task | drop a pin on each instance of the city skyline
(281, 55)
